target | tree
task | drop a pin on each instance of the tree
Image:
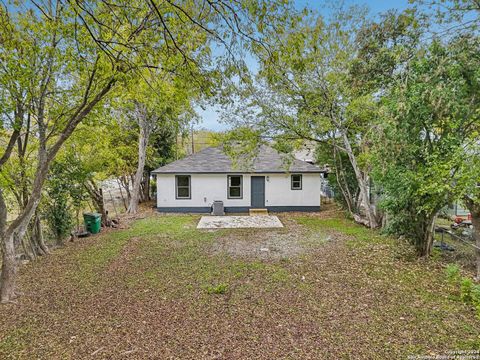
(164, 150)
(61, 61)
(66, 74)
(312, 86)
(471, 183)
(162, 101)
(429, 118)
(453, 16)
(38, 47)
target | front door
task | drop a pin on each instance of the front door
(258, 192)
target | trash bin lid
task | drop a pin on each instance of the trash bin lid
(92, 214)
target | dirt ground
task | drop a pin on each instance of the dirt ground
(319, 288)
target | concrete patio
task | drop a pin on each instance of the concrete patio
(239, 222)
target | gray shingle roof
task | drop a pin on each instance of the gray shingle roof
(214, 160)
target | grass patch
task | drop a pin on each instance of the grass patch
(91, 261)
(362, 235)
(14, 342)
(219, 289)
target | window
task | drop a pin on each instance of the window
(234, 190)
(182, 184)
(296, 182)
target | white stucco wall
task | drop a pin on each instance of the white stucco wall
(205, 188)
(278, 191)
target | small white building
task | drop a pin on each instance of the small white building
(272, 181)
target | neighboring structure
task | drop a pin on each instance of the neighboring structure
(273, 181)
(456, 209)
(307, 153)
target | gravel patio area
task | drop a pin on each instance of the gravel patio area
(239, 222)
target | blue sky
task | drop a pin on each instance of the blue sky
(210, 116)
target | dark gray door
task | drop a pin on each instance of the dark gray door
(258, 192)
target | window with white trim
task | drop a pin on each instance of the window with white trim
(296, 182)
(234, 188)
(182, 187)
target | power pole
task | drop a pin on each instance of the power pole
(176, 144)
(193, 145)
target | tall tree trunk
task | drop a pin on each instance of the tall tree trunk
(362, 182)
(342, 183)
(37, 237)
(126, 186)
(145, 125)
(28, 249)
(9, 268)
(141, 191)
(18, 228)
(121, 194)
(474, 208)
(476, 237)
(142, 152)
(146, 187)
(34, 240)
(425, 240)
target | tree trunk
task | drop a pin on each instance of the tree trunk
(34, 240)
(424, 242)
(474, 208)
(429, 239)
(28, 250)
(37, 237)
(145, 124)
(17, 230)
(362, 183)
(142, 152)
(126, 185)
(476, 237)
(9, 269)
(121, 194)
(339, 173)
(147, 186)
(141, 191)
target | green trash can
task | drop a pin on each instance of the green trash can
(93, 222)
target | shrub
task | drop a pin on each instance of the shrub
(466, 286)
(217, 289)
(59, 214)
(469, 291)
(475, 295)
(58, 211)
(453, 273)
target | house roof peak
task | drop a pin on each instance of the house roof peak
(215, 160)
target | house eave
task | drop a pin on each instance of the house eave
(239, 172)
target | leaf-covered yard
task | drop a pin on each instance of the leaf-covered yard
(320, 288)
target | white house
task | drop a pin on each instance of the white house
(272, 181)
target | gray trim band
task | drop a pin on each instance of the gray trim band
(235, 209)
(293, 208)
